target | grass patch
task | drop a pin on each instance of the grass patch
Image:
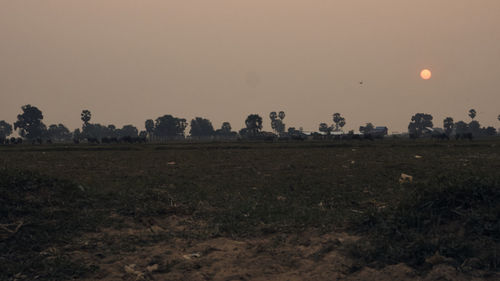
(40, 215)
(457, 217)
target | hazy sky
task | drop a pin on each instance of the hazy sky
(128, 61)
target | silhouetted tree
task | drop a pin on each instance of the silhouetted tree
(170, 126)
(280, 125)
(277, 124)
(30, 123)
(5, 130)
(253, 124)
(128, 131)
(143, 134)
(201, 127)
(339, 121)
(243, 132)
(448, 124)
(367, 128)
(225, 131)
(110, 132)
(86, 116)
(150, 127)
(324, 128)
(77, 135)
(273, 115)
(226, 128)
(475, 128)
(461, 128)
(418, 123)
(94, 131)
(472, 114)
(281, 115)
(58, 133)
(292, 131)
(490, 131)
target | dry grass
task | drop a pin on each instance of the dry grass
(180, 196)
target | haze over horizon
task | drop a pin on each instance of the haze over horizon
(128, 61)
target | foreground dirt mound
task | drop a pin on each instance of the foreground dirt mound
(305, 256)
(277, 257)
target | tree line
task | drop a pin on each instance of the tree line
(31, 128)
(421, 125)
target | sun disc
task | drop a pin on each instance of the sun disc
(426, 74)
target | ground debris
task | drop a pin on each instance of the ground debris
(8, 230)
(130, 269)
(152, 268)
(192, 256)
(438, 259)
(404, 178)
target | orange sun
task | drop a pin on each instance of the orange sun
(426, 74)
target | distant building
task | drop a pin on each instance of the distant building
(438, 131)
(379, 131)
(433, 131)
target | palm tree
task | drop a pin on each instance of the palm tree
(281, 115)
(472, 114)
(86, 116)
(273, 115)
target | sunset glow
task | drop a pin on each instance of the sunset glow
(186, 57)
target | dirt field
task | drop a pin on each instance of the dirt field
(251, 211)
